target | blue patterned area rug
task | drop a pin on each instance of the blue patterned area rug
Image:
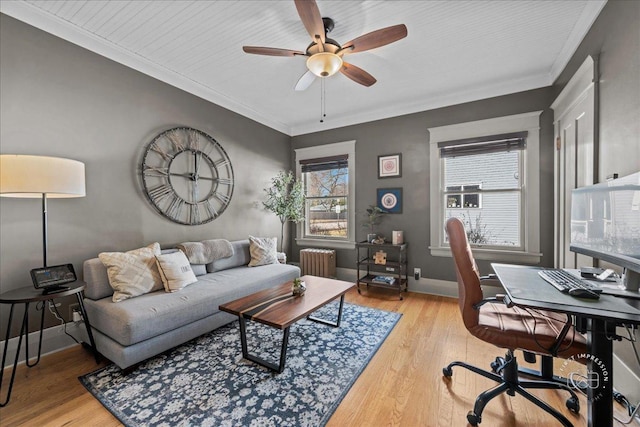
(206, 382)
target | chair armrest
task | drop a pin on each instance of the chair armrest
(497, 298)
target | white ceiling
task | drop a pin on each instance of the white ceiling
(455, 51)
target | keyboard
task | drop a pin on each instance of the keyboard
(567, 283)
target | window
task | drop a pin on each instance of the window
(486, 174)
(327, 172)
(457, 200)
(325, 183)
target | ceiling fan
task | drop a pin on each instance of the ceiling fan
(325, 56)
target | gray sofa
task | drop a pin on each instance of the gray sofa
(135, 329)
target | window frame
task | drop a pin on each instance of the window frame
(327, 150)
(530, 211)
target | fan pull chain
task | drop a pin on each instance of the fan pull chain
(323, 101)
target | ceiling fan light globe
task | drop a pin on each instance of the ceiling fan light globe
(324, 64)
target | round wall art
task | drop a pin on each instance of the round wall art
(390, 199)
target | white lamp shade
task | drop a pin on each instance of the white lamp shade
(324, 64)
(32, 176)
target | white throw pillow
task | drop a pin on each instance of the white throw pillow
(132, 273)
(263, 251)
(175, 271)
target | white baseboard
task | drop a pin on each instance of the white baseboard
(53, 340)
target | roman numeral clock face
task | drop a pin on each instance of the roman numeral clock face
(187, 176)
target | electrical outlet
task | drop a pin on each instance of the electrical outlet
(73, 308)
(77, 317)
(417, 273)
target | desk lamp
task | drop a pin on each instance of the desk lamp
(41, 177)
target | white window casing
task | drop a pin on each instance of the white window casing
(530, 212)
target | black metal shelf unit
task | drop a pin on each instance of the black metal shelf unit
(395, 267)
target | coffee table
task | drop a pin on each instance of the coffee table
(278, 308)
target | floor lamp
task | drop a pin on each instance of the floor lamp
(41, 177)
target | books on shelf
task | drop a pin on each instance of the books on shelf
(387, 280)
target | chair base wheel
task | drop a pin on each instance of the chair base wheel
(573, 405)
(497, 365)
(473, 419)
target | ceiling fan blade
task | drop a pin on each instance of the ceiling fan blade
(311, 18)
(375, 39)
(357, 74)
(271, 51)
(305, 81)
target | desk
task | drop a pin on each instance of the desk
(26, 296)
(525, 288)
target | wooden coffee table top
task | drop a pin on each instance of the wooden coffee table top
(278, 308)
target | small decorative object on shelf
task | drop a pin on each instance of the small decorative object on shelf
(298, 288)
(378, 240)
(388, 280)
(380, 258)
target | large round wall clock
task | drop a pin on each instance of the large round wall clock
(187, 176)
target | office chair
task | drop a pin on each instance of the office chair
(536, 331)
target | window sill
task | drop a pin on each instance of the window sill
(493, 255)
(326, 243)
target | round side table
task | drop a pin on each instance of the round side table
(26, 296)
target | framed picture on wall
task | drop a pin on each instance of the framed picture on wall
(390, 200)
(390, 166)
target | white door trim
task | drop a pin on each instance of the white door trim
(581, 89)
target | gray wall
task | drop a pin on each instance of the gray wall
(409, 135)
(61, 100)
(615, 39)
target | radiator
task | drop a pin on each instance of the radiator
(318, 262)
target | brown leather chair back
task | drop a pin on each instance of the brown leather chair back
(469, 290)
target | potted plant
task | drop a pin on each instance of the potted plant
(298, 287)
(285, 198)
(373, 217)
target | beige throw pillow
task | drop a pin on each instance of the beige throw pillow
(132, 273)
(175, 271)
(262, 250)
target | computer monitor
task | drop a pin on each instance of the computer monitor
(605, 224)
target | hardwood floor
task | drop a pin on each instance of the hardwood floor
(402, 386)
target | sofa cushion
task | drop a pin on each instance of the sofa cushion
(95, 275)
(137, 319)
(263, 251)
(175, 271)
(132, 273)
(198, 269)
(206, 251)
(240, 257)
